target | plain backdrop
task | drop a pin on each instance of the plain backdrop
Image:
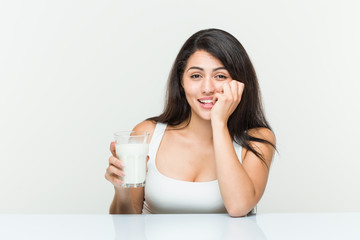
(74, 72)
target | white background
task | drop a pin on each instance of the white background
(74, 72)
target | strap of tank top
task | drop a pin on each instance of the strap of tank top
(155, 140)
(238, 149)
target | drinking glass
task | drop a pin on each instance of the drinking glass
(132, 149)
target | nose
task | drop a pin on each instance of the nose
(208, 86)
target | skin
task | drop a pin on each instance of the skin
(180, 157)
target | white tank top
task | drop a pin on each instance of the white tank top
(168, 195)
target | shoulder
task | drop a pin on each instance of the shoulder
(147, 126)
(263, 133)
(264, 149)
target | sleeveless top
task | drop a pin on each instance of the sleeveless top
(167, 195)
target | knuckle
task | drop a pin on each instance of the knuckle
(116, 171)
(113, 160)
(112, 169)
(107, 176)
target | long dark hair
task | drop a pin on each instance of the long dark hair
(248, 114)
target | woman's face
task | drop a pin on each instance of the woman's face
(203, 76)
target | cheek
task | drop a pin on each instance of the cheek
(190, 89)
(189, 96)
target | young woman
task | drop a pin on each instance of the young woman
(211, 148)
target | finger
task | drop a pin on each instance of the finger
(241, 87)
(114, 171)
(113, 149)
(115, 180)
(234, 89)
(227, 91)
(116, 162)
(220, 90)
(216, 96)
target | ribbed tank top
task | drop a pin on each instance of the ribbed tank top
(168, 195)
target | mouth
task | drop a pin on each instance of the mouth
(206, 103)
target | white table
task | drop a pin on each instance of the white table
(181, 226)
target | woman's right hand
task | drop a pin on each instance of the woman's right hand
(114, 171)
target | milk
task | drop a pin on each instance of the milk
(133, 155)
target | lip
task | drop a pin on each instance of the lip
(206, 98)
(208, 104)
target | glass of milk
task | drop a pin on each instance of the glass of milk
(132, 149)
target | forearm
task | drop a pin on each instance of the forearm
(236, 187)
(122, 203)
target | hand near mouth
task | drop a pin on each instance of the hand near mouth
(226, 100)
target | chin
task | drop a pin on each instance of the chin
(202, 115)
(205, 117)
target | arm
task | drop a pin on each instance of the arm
(126, 200)
(241, 184)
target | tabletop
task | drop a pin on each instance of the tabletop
(181, 226)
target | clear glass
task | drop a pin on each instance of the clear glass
(132, 149)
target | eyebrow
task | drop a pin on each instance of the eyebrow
(199, 68)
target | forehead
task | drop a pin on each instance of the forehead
(202, 58)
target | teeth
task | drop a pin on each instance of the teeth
(206, 101)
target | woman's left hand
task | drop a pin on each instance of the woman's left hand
(227, 99)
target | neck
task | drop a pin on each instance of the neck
(199, 129)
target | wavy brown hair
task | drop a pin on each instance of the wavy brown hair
(248, 114)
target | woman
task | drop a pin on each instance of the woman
(211, 148)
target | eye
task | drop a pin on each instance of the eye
(221, 76)
(195, 76)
